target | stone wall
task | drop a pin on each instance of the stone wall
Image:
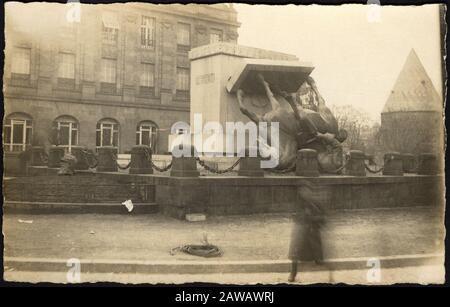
(215, 195)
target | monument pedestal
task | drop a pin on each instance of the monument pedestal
(218, 70)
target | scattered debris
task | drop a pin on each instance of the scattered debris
(195, 217)
(26, 221)
(128, 204)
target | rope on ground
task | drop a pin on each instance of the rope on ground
(207, 251)
(217, 171)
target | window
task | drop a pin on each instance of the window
(107, 133)
(146, 134)
(21, 61)
(147, 75)
(147, 32)
(215, 36)
(17, 132)
(182, 79)
(108, 71)
(66, 66)
(110, 30)
(183, 34)
(67, 132)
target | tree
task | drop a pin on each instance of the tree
(358, 124)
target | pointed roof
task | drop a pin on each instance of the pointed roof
(413, 90)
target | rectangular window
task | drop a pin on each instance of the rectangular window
(110, 30)
(17, 134)
(215, 36)
(147, 32)
(66, 66)
(183, 79)
(68, 134)
(147, 75)
(183, 34)
(107, 135)
(108, 71)
(21, 61)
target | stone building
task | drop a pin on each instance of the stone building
(412, 118)
(102, 75)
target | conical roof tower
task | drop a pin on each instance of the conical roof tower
(413, 90)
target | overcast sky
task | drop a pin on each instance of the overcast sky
(356, 61)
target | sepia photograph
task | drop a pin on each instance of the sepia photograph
(225, 143)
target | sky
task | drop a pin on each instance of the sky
(357, 53)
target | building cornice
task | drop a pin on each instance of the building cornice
(179, 11)
(94, 102)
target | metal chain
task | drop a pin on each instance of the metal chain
(217, 171)
(161, 169)
(114, 156)
(156, 167)
(373, 171)
(44, 156)
(282, 171)
(87, 153)
(339, 169)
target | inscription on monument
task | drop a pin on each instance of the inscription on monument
(205, 79)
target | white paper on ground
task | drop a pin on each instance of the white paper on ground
(128, 204)
(26, 221)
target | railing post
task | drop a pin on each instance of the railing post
(141, 156)
(36, 156)
(106, 160)
(393, 164)
(307, 164)
(427, 164)
(409, 163)
(355, 165)
(250, 166)
(55, 154)
(82, 163)
(185, 165)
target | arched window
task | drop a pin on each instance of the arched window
(17, 132)
(66, 131)
(146, 133)
(108, 133)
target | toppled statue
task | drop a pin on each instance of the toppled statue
(68, 162)
(314, 127)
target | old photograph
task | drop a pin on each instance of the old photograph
(224, 143)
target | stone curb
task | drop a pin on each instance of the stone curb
(26, 207)
(215, 266)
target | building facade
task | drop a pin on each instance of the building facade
(102, 75)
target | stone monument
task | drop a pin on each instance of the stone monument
(218, 70)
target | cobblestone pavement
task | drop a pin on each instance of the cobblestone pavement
(422, 275)
(355, 233)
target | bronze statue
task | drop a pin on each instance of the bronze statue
(314, 127)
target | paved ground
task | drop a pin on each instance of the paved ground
(356, 233)
(421, 274)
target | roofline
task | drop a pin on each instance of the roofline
(176, 11)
